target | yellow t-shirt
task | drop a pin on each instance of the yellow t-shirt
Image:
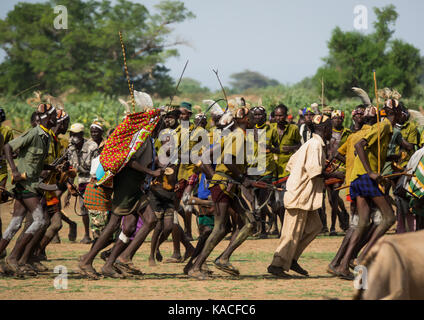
(271, 138)
(7, 134)
(409, 132)
(371, 150)
(290, 137)
(348, 149)
(231, 146)
(187, 169)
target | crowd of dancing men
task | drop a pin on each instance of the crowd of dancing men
(375, 166)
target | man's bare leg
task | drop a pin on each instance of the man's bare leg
(128, 228)
(387, 221)
(204, 234)
(19, 212)
(149, 223)
(364, 222)
(34, 206)
(245, 227)
(2, 185)
(86, 261)
(154, 244)
(218, 233)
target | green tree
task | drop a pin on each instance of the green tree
(353, 56)
(192, 86)
(88, 54)
(250, 79)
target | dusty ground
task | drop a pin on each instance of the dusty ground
(167, 281)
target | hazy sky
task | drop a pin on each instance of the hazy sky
(284, 40)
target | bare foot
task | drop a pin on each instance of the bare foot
(152, 262)
(127, 266)
(197, 274)
(109, 271)
(12, 264)
(88, 270)
(174, 259)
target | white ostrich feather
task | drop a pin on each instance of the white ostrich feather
(143, 100)
(215, 109)
(417, 116)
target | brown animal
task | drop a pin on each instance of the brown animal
(395, 267)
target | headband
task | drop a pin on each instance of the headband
(95, 125)
(338, 113)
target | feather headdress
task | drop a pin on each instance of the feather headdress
(37, 99)
(387, 94)
(41, 103)
(215, 109)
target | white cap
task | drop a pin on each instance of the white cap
(77, 127)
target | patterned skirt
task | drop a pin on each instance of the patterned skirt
(365, 187)
(98, 198)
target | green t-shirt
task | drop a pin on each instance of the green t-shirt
(33, 148)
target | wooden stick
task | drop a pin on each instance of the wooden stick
(126, 72)
(23, 91)
(322, 92)
(222, 87)
(378, 125)
(405, 173)
(176, 88)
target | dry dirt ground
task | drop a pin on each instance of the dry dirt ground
(167, 281)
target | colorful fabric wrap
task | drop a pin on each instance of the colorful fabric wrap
(98, 198)
(306, 110)
(124, 142)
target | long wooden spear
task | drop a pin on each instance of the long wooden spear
(389, 176)
(126, 72)
(176, 88)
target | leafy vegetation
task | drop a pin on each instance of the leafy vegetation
(88, 56)
(353, 56)
(86, 71)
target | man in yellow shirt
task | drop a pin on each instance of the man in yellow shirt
(168, 222)
(232, 165)
(346, 154)
(364, 184)
(7, 135)
(288, 141)
(270, 173)
(187, 178)
(339, 137)
(406, 146)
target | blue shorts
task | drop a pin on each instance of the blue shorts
(365, 187)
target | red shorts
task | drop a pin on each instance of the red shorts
(218, 195)
(182, 184)
(348, 198)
